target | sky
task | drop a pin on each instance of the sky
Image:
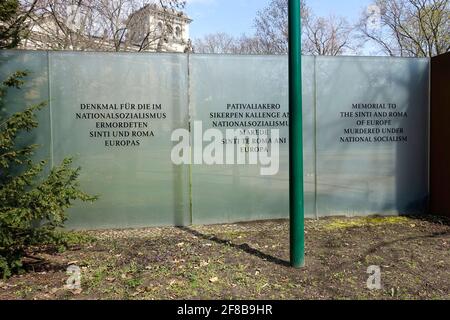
(235, 17)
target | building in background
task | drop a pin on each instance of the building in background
(159, 30)
(152, 28)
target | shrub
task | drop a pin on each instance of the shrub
(32, 206)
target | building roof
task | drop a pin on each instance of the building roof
(156, 8)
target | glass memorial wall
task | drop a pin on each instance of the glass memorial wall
(372, 135)
(239, 192)
(32, 92)
(116, 114)
(365, 133)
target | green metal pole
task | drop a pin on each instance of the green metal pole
(297, 216)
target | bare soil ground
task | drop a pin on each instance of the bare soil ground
(247, 261)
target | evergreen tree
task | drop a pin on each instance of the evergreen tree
(32, 207)
(11, 24)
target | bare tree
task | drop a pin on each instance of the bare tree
(272, 27)
(321, 36)
(111, 18)
(327, 36)
(12, 22)
(221, 43)
(249, 45)
(96, 24)
(410, 28)
(51, 25)
(126, 24)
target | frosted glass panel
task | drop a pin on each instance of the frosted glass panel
(372, 131)
(309, 135)
(365, 133)
(34, 91)
(115, 113)
(229, 193)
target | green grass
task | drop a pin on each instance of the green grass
(338, 224)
